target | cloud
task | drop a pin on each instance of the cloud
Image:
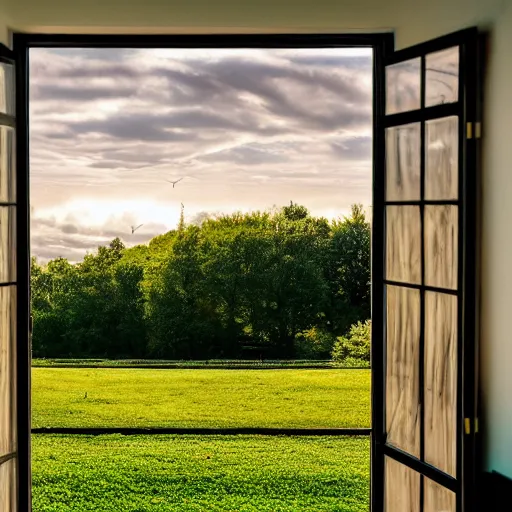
(55, 92)
(53, 238)
(248, 128)
(247, 155)
(147, 127)
(358, 148)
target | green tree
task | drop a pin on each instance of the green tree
(348, 271)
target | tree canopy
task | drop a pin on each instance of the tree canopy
(278, 284)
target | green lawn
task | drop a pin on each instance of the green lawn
(200, 398)
(200, 473)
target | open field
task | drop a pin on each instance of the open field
(207, 363)
(200, 473)
(200, 398)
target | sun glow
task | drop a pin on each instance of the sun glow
(96, 212)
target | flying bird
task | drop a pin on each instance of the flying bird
(174, 182)
(135, 228)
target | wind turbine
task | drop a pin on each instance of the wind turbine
(135, 228)
(174, 182)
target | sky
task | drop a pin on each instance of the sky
(243, 129)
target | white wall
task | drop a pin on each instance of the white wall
(5, 23)
(497, 248)
(413, 21)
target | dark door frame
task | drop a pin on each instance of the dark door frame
(469, 113)
(383, 46)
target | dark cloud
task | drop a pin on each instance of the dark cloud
(356, 148)
(357, 63)
(246, 155)
(147, 127)
(314, 98)
(162, 127)
(77, 55)
(112, 71)
(53, 92)
(69, 229)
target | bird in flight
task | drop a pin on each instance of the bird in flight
(134, 228)
(174, 182)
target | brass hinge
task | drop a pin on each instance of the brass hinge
(476, 425)
(469, 130)
(467, 425)
(478, 130)
(476, 133)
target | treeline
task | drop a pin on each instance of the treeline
(280, 284)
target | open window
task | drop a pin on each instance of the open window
(424, 279)
(9, 441)
(424, 275)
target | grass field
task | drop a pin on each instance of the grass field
(208, 363)
(200, 473)
(291, 398)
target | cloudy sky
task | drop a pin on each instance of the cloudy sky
(245, 129)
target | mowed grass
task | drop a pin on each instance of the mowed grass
(200, 398)
(200, 473)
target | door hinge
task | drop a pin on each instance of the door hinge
(476, 425)
(467, 425)
(474, 133)
(478, 130)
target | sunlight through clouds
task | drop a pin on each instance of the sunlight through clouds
(245, 129)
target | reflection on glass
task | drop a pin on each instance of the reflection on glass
(437, 498)
(6, 89)
(8, 486)
(7, 244)
(402, 488)
(403, 88)
(403, 148)
(7, 373)
(441, 242)
(442, 77)
(403, 244)
(441, 381)
(402, 368)
(442, 165)
(7, 181)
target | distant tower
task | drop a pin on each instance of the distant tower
(181, 225)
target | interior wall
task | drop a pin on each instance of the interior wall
(413, 21)
(496, 341)
(5, 24)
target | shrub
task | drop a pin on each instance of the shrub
(313, 343)
(354, 348)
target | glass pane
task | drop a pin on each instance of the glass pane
(402, 368)
(7, 244)
(442, 77)
(403, 90)
(6, 89)
(402, 488)
(7, 181)
(403, 244)
(441, 158)
(8, 486)
(403, 148)
(441, 242)
(7, 369)
(441, 381)
(437, 498)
